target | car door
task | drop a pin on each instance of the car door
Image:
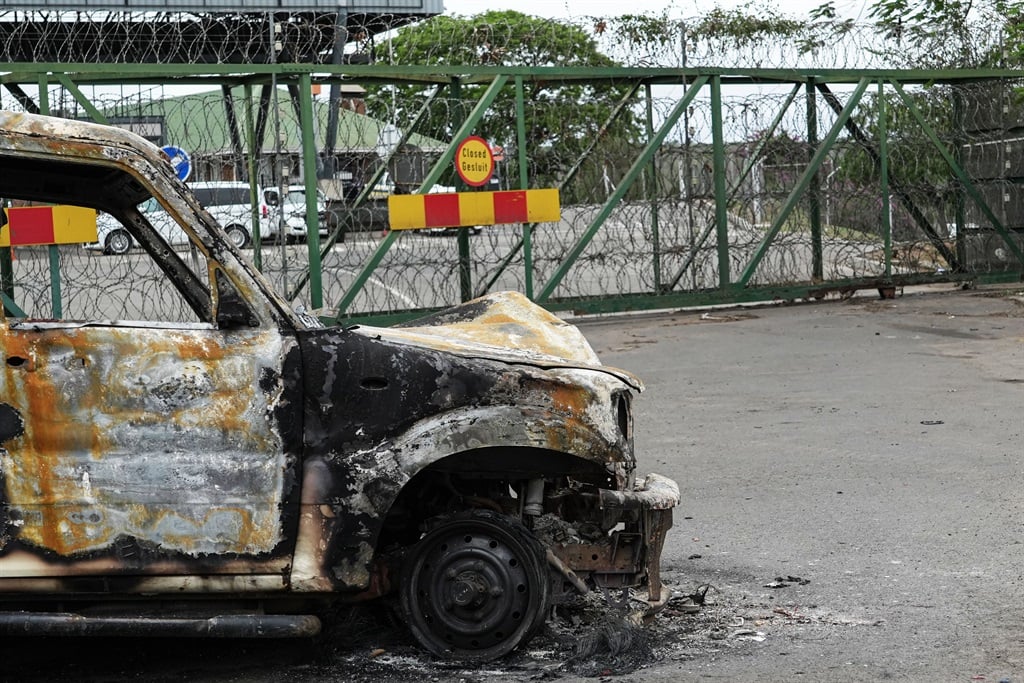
(161, 448)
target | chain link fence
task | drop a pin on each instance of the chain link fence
(763, 179)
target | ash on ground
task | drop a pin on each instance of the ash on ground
(595, 636)
(598, 635)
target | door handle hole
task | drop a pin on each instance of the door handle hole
(374, 383)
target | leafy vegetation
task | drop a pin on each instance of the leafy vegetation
(562, 116)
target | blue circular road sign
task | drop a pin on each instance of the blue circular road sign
(180, 161)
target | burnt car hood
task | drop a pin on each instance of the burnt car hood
(505, 327)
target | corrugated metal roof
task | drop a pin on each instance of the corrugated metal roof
(197, 122)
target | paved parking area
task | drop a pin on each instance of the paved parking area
(872, 449)
(853, 502)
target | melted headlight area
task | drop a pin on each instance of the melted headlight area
(610, 538)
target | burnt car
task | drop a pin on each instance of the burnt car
(241, 470)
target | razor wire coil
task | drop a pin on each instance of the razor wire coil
(666, 234)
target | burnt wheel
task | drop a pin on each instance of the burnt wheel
(475, 587)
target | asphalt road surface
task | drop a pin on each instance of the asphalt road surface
(853, 510)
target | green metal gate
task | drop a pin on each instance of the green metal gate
(698, 186)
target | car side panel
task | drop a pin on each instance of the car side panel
(147, 451)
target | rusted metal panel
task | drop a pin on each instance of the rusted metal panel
(621, 554)
(506, 326)
(168, 438)
(405, 407)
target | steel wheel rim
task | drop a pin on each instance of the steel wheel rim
(238, 237)
(474, 590)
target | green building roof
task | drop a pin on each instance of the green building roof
(198, 123)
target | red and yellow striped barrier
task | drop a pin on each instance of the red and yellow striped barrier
(460, 209)
(32, 225)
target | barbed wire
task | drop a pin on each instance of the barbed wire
(665, 235)
(631, 41)
(675, 196)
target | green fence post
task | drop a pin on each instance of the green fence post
(624, 185)
(883, 172)
(526, 242)
(52, 251)
(652, 194)
(371, 184)
(316, 290)
(897, 188)
(814, 191)
(960, 199)
(753, 159)
(252, 169)
(721, 200)
(462, 239)
(524, 183)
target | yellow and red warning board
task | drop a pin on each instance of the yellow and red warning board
(459, 209)
(33, 225)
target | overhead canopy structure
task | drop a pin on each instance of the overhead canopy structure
(421, 7)
(199, 31)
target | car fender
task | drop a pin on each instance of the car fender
(345, 499)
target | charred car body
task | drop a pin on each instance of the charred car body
(237, 474)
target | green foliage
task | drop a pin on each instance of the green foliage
(1013, 14)
(914, 162)
(645, 31)
(952, 25)
(744, 25)
(921, 13)
(506, 38)
(782, 147)
(562, 117)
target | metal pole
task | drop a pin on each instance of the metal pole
(524, 184)
(254, 180)
(805, 179)
(721, 201)
(627, 182)
(52, 252)
(883, 168)
(814, 191)
(334, 106)
(465, 272)
(960, 198)
(316, 290)
(653, 195)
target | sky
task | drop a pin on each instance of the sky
(589, 8)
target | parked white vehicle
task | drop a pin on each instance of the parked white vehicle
(227, 201)
(288, 216)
